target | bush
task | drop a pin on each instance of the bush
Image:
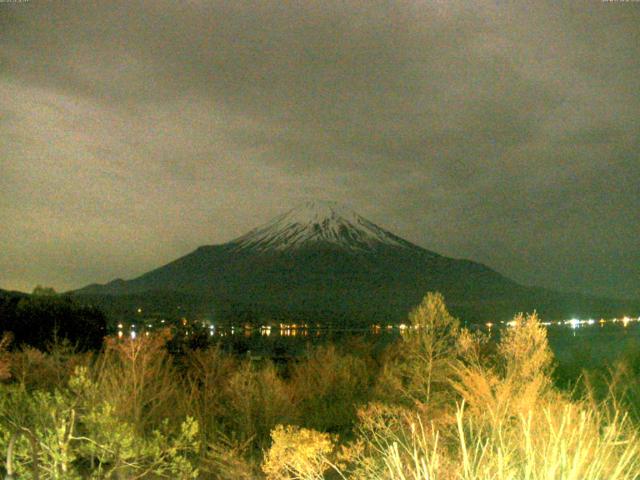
(515, 380)
(138, 378)
(73, 434)
(328, 386)
(298, 454)
(256, 400)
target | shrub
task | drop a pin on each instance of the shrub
(328, 386)
(73, 435)
(205, 373)
(227, 458)
(513, 382)
(256, 400)
(138, 378)
(298, 454)
(48, 369)
(5, 357)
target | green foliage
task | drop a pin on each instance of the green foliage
(77, 435)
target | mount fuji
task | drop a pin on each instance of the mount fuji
(319, 222)
(323, 262)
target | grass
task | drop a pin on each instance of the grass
(562, 445)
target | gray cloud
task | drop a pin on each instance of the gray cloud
(504, 132)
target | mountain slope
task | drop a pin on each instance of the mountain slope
(323, 261)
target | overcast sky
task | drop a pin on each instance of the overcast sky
(506, 132)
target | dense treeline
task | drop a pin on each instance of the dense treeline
(38, 319)
(441, 403)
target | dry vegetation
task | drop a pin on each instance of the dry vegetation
(444, 403)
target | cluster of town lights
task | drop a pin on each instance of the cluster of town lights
(576, 322)
(292, 330)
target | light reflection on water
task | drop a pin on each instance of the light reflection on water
(583, 342)
(588, 344)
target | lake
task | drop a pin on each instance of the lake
(585, 343)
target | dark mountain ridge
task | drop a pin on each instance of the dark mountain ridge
(321, 261)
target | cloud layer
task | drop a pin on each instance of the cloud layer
(504, 132)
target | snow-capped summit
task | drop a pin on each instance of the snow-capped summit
(318, 221)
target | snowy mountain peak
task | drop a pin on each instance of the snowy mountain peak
(318, 221)
(318, 211)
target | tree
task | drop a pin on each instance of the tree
(419, 373)
(38, 320)
(44, 291)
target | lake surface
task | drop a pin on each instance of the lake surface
(594, 345)
(583, 343)
(578, 343)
